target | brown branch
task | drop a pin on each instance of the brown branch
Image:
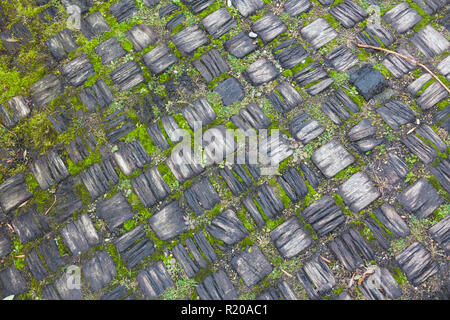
(50, 207)
(406, 58)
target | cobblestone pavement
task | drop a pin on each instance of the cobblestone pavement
(353, 205)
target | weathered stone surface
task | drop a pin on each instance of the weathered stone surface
(268, 27)
(127, 75)
(381, 284)
(240, 45)
(318, 33)
(341, 58)
(190, 39)
(297, 7)
(422, 150)
(131, 157)
(339, 107)
(216, 287)
(348, 13)
(184, 165)
(159, 59)
(98, 178)
(416, 262)
(358, 191)
(231, 91)
(12, 282)
(274, 149)
(251, 265)
(154, 280)
(420, 199)
(45, 90)
(271, 206)
(290, 238)
(29, 226)
(150, 187)
(375, 35)
(16, 109)
(440, 232)
(49, 169)
(123, 10)
(211, 65)
(99, 271)
(199, 112)
(305, 129)
(314, 76)
(332, 158)
(350, 248)
(390, 219)
(201, 196)
(444, 67)
(286, 291)
(133, 246)
(227, 228)
(5, 243)
(78, 70)
(293, 184)
(442, 174)
(61, 44)
(51, 255)
(323, 215)
(316, 277)
(363, 136)
(285, 97)
(117, 125)
(430, 42)
(395, 113)
(80, 148)
(13, 192)
(219, 22)
(402, 17)
(248, 7)
(63, 291)
(35, 265)
(289, 53)
(94, 25)
(251, 118)
(217, 144)
(110, 50)
(368, 81)
(98, 94)
(118, 293)
(142, 36)
(115, 210)
(398, 66)
(260, 72)
(80, 235)
(169, 221)
(237, 178)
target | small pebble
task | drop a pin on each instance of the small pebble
(252, 34)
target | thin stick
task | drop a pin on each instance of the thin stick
(406, 58)
(50, 206)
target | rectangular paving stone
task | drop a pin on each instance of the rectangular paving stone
(290, 238)
(154, 280)
(348, 13)
(159, 59)
(260, 72)
(49, 169)
(268, 27)
(430, 41)
(109, 50)
(316, 277)
(248, 7)
(416, 262)
(219, 23)
(402, 17)
(80, 235)
(99, 271)
(134, 246)
(216, 287)
(251, 265)
(169, 221)
(94, 25)
(318, 33)
(332, 158)
(45, 90)
(190, 39)
(227, 228)
(127, 76)
(323, 215)
(420, 199)
(358, 192)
